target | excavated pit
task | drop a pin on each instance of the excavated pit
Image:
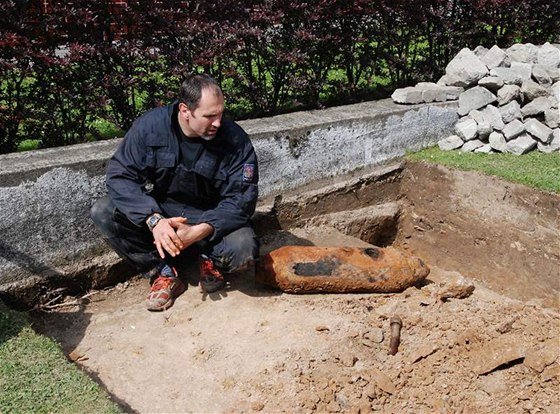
(251, 348)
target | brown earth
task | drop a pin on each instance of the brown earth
(251, 348)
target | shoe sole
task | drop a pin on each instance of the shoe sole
(178, 290)
(211, 287)
(161, 308)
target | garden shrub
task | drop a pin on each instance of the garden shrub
(67, 65)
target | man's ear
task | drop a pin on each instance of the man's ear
(184, 110)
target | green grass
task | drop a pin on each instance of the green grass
(35, 376)
(534, 169)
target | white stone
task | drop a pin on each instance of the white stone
(478, 116)
(513, 129)
(524, 69)
(540, 74)
(480, 51)
(466, 129)
(536, 106)
(483, 130)
(491, 82)
(510, 112)
(409, 95)
(552, 117)
(485, 149)
(553, 146)
(495, 117)
(556, 90)
(523, 52)
(508, 93)
(554, 73)
(474, 98)
(495, 57)
(483, 122)
(434, 95)
(452, 92)
(450, 143)
(532, 90)
(508, 75)
(521, 145)
(497, 141)
(549, 55)
(442, 81)
(465, 69)
(553, 101)
(538, 130)
(470, 146)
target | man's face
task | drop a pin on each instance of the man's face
(205, 120)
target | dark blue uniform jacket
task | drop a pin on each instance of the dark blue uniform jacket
(146, 175)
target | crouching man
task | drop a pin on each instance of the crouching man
(183, 180)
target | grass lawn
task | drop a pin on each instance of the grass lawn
(535, 169)
(36, 377)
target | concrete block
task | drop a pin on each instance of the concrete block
(538, 130)
(540, 74)
(521, 145)
(513, 129)
(510, 112)
(508, 93)
(532, 90)
(523, 52)
(450, 143)
(409, 95)
(536, 106)
(466, 129)
(524, 69)
(465, 69)
(497, 141)
(548, 55)
(508, 75)
(492, 83)
(474, 98)
(495, 57)
(470, 146)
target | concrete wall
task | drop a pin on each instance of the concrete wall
(47, 238)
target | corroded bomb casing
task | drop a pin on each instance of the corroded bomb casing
(308, 269)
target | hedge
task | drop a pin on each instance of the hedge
(66, 66)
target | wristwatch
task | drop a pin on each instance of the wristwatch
(153, 220)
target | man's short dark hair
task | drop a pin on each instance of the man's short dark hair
(192, 87)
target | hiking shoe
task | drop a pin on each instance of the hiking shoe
(163, 292)
(211, 279)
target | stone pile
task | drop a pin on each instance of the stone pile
(508, 99)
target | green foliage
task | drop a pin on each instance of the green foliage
(35, 377)
(65, 66)
(534, 169)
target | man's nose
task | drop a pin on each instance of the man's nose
(217, 122)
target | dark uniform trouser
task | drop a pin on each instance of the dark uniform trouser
(135, 243)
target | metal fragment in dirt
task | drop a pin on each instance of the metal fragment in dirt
(396, 325)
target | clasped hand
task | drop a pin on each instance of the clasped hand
(173, 235)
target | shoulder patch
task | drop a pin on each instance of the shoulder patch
(248, 172)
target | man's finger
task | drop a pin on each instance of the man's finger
(170, 247)
(176, 221)
(176, 241)
(160, 249)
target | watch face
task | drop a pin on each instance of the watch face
(154, 220)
